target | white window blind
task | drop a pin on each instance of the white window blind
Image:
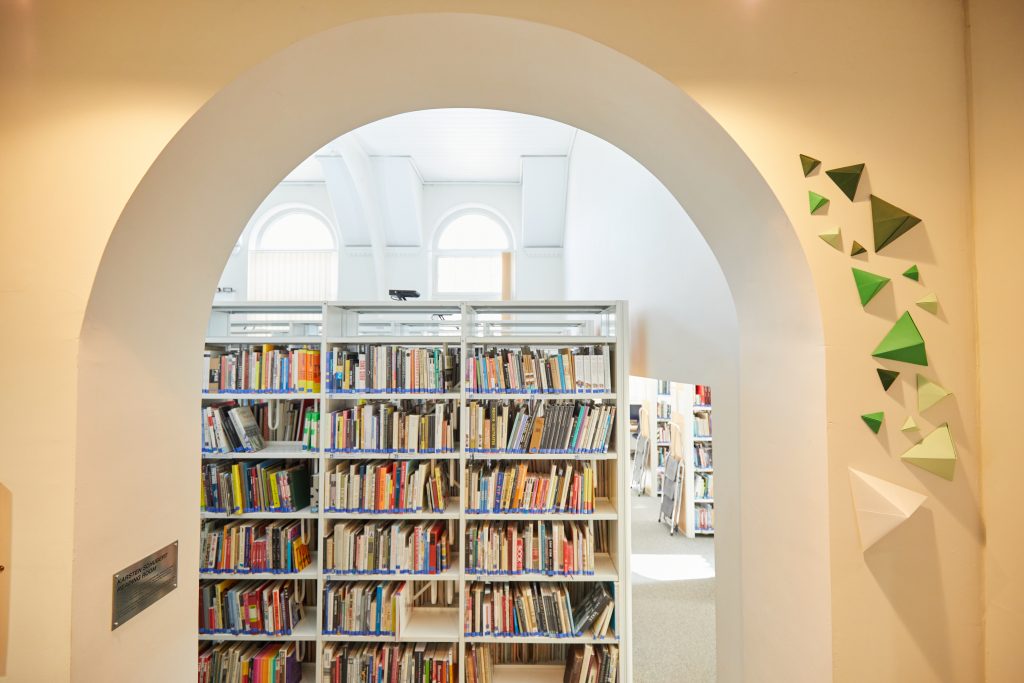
(280, 275)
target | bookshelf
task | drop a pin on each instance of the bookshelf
(435, 610)
(698, 496)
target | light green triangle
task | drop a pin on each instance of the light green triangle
(873, 420)
(909, 425)
(929, 393)
(890, 222)
(857, 249)
(847, 178)
(913, 273)
(868, 284)
(929, 303)
(937, 453)
(816, 201)
(808, 164)
(903, 343)
(833, 237)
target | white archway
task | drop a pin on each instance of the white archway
(773, 595)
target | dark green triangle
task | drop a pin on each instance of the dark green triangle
(913, 273)
(868, 284)
(857, 249)
(887, 377)
(890, 222)
(816, 201)
(808, 164)
(903, 343)
(847, 178)
(873, 420)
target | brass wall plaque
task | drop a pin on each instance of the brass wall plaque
(139, 585)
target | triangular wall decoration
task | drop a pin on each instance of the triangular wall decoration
(816, 201)
(929, 303)
(887, 377)
(890, 222)
(808, 164)
(913, 273)
(847, 178)
(857, 249)
(873, 420)
(880, 505)
(937, 453)
(909, 425)
(903, 343)
(868, 284)
(929, 393)
(833, 237)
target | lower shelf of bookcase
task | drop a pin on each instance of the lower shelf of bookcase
(607, 640)
(309, 572)
(309, 673)
(450, 574)
(528, 673)
(306, 630)
(426, 625)
(603, 510)
(304, 513)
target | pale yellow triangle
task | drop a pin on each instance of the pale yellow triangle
(936, 453)
(909, 425)
(881, 506)
(833, 237)
(929, 303)
(929, 393)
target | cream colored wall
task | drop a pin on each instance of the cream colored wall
(997, 60)
(92, 93)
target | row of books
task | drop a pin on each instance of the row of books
(664, 410)
(365, 608)
(405, 547)
(664, 433)
(388, 486)
(702, 456)
(254, 607)
(230, 428)
(664, 387)
(704, 517)
(235, 662)
(265, 368)
(287, 420)
(702, 395)
(703, 486)
(583, 663)
(389, 663)
(254, 486)
(549, 548)
(582, 369)
(539, 427)
(253, 546)
(537, 609)
(702, 424)
(381, 427)
(531, 487)
(393, 369)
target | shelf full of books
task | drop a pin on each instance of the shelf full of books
(424, 491)
(699, 496)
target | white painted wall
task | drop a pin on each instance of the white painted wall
(628, 238)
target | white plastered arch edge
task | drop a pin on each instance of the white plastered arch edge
(147, 315)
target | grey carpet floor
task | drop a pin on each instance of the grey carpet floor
(673, 601)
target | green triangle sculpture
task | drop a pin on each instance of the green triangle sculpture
(903, 343)
(833, 237)
(808, 164)
(936, 453)
(890, 222)
(887, 377)
(873, 421)
(816, 201)
(847, 178)
(868, 284)
(857, 249)
(912, 273)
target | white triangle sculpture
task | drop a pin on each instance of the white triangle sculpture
(881, 506)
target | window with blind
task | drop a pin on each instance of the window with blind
(294, 257)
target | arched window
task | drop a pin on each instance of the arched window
(293, 257)
(472, 256)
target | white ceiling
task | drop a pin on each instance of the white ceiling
(460, 145)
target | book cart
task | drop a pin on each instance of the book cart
(437, 611)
